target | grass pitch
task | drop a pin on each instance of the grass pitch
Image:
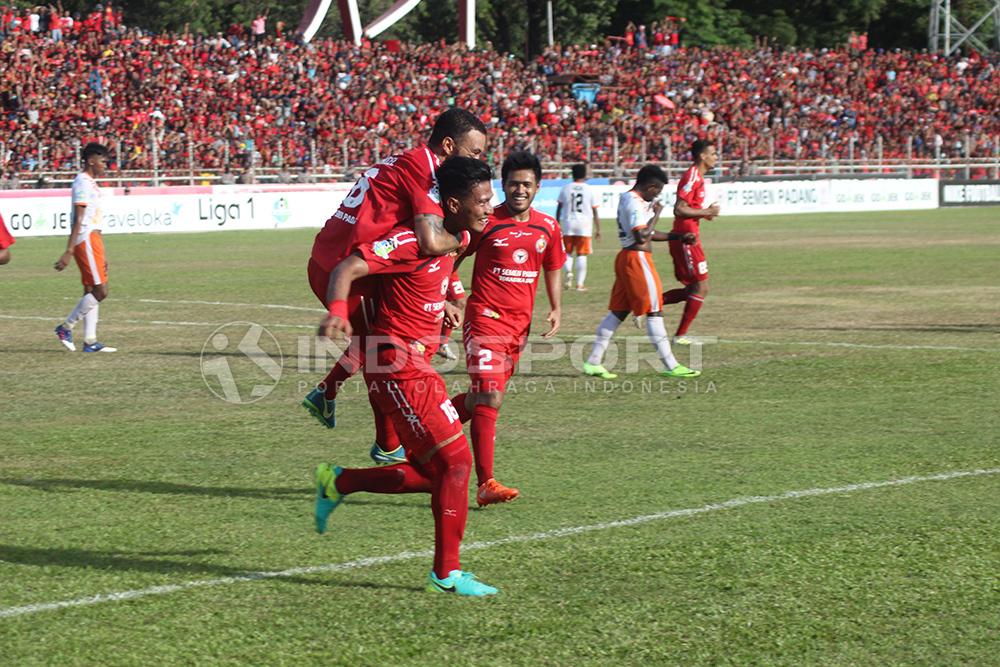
(852, 348)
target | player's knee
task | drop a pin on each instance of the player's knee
(100, 292)
(493, 399)
(4, 256)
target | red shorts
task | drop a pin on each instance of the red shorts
(490, 357)
(578, 244)
(689, 262)
(416, 399)
(6, 240)
(89, 256)
(361, 304)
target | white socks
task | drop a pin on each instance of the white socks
(568, 266)
(605, 330)
(581, 268)
(661, 341)
(90, 324)
(83, 307)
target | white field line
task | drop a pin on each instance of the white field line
(274, 306)
(726, 341)
(166, 323)
(864, 346)
(371, 561)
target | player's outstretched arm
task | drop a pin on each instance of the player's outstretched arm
(432, 238)
(683, 210)
(687, 238)
(338, 289)
(553, 286)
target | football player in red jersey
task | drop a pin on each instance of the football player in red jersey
(511, 253)
(6, 241)
(399, 190)
(690, 267)
(400, 342)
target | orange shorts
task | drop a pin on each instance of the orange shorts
(637, 285)
(89, 255)
(578, 244)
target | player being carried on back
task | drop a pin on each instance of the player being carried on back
(637, 286)
(399, 190)
(517, 244)
(401, 380)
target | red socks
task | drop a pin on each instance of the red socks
(449, 472)
(348, 364)
(484, 433)
(399, 478)
(445, 477)
(385, 430)
(691, 309)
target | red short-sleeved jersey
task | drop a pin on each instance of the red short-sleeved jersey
(690, 190)
(391, 193)
(509, 258)
(412, 289)
(6, 240)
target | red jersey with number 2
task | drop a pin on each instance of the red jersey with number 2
(391, 193)
(510, 256)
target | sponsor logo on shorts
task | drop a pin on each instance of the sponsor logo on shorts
(384, 248)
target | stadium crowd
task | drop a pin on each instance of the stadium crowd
(234, 94)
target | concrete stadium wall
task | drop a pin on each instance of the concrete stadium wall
(213, 208)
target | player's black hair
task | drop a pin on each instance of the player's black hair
(455, 123)
(458, 175)
(93, 148)
(651, 173)
(579, 171)
(699, 147)
(521, 160)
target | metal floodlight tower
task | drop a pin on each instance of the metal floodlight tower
(317, 10)
(946, 33)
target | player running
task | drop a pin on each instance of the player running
(406, 330)
(637, 286)
(86, 246)
(516, 245)
(399, 190)
(690, 267)
(577, 213)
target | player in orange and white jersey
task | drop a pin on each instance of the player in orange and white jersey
(86, 246)
(576, 212)
(637, 285)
